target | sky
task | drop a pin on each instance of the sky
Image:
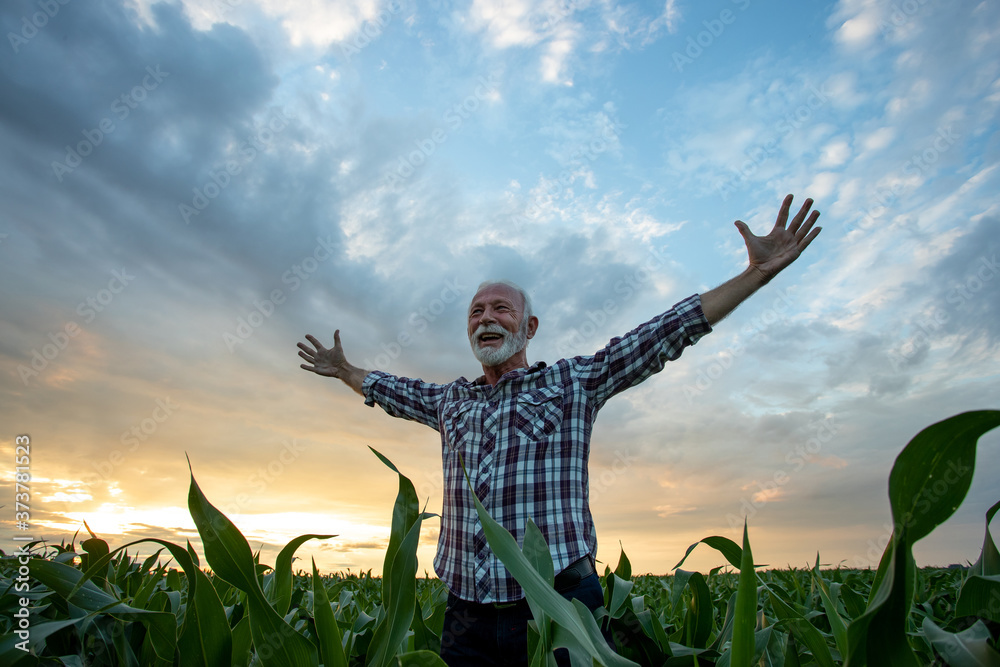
(191, 187)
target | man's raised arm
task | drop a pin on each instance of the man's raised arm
(768, 256)
(331, 362)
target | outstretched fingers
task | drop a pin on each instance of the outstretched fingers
(800, 217)
(310, 354)
(808, 235)
(779, 223)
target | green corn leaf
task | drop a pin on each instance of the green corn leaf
(989, 559)
(698, 624)
(633, 642)
(404, 515)
(424, 639)
(205, 638)
(932, 474)
(680, 581)
(537, 552)
(620, 589)
(420, 659)
(854, 603)
(95, 549)
(724, 545)
(969, 648)
(745, 617)
(226, 550)
(980, 597)
(803, 631)
(726, 633)
(542, 595)
(63, 579)
(399, 592)
(624, 568)
(837, 626)
(395, 624)
(242, 642)
(928, 482)
(331, 648)
(279, 594)
(12, 656)
(150, 561)
(228, 553)
(878, 637)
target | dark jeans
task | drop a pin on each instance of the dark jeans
(480, 635)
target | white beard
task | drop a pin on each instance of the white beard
(512, 344)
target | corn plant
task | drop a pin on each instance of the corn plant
(91, 605)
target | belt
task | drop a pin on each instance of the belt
(575, 573)
(568, 578)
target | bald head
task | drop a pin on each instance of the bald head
(525, 299)
(500, 324)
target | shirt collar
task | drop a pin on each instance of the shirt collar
(511, 375)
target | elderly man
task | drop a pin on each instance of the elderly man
(524, 431)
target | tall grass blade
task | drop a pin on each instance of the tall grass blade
(928, 482)
(331, 648)
(969, 648)
(228, 553)
(745, 617)
(579, 627)
(399, 586)
(279, 593)
(932, 474)
(837, 625)
(63, 578)
(404, 514)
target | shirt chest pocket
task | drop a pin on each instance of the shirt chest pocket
(459, 425)
(538, 413)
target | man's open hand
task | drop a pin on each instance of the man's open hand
(331, 362)
(322, 361)
(772, 253)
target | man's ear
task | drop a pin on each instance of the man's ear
(532, 326)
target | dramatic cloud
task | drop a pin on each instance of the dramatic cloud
(191, 187)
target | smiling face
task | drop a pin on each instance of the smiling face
(498, 328)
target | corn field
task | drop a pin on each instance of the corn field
(90, 605)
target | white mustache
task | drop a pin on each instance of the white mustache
(491, 329)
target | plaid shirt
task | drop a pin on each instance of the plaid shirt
(526, 444)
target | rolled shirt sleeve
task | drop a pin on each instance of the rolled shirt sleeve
(628, 360)
(406, 398)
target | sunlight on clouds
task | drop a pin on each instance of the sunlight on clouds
(665, 511)
(282, 527)
(914, 98)
(119, 519)
(831, 461)
(511, 23)
(835, 153)
(116, 519)
(308, 22)
(768, 495)
(507, 22)
(359, 217)
(857, 32)
(856, 23)
(943, 211)
(823, 184)
(554, 61)
(842, 90)
(320, 23)
(70, 491)
(879, 139)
